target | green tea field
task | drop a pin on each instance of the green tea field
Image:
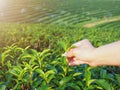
(35, 33)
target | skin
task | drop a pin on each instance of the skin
(85, 53)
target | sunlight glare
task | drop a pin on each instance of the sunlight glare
(2, 4)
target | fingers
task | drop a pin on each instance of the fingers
(70, 53)
(77, 62)
(74, 61)
(80, 42)
(70, 59)
(83, 43)
(78, 55)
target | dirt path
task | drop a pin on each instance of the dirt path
(92, 24)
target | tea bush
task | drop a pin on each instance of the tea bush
(35, 62)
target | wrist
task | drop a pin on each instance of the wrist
(94, 56)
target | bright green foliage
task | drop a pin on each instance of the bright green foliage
(35, 60)
(31, 54)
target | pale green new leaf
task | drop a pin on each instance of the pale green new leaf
(44, 52)
(49, 73)
(41, 72)
(63, 45)
(27, 47)
(50, 78)
(44, 56)
(90, 81)
(77, 74)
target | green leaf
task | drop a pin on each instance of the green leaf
(27, 56)
(103, 73)
(117, 76)
(90, 81)
(80, 83)
(50, 88)
(44, 56)
(104, 84)
(27, 47)
(49, 73)
(2, 87)
(13, 72)
(87, 75)
(73, 85)
(50, 78)
(93, 87)
(43, 87)
(41, 72)
(22, 73)
(65, 80)
(62, 45)
(4, 55)
(44, 52)
(77, 74)
(35, 68)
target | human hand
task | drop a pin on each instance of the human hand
(81, 54)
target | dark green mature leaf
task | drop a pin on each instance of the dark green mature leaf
(93, 87)
(65, 80)
(104, 84)
(2, 87)
(44, 87)
(103, 73)
(117, 76)
(73, 85)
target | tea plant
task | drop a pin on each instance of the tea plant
(35, 59)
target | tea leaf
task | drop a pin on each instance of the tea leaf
(73, 85)
(77, 74)
(44, 52)
(65, 80)
(2, 87)
(42, 74)
(104, 84)
(90, 82)
(49, 73)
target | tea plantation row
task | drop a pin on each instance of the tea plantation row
(58, 11)
(30, 58)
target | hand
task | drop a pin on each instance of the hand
(82, 54)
